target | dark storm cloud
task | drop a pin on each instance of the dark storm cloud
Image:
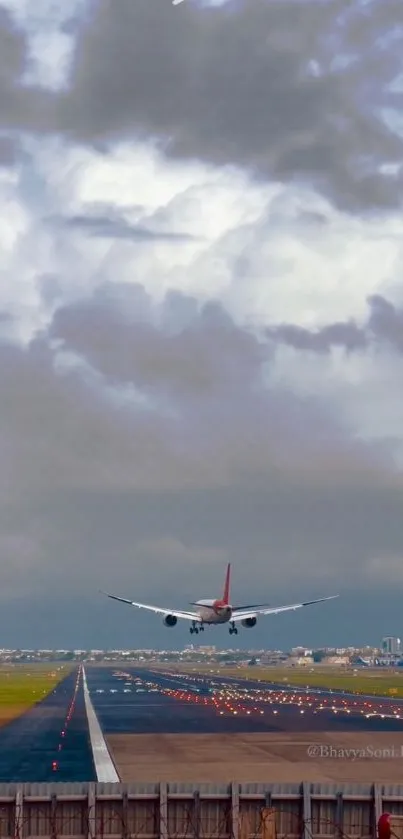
(113, 227)
(143, 442)
(185, 404)
(285, 88)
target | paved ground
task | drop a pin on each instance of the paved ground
(50, 742)
(258, 757)
(175, 728)
(161, 726)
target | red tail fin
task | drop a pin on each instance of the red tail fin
(227, 585)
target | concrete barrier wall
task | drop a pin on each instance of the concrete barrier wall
(165, 811)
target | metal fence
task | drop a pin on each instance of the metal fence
(180, 811)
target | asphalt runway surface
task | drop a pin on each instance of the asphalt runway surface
(165, 726)
(149, 716)
(50, 742)
(138, 701)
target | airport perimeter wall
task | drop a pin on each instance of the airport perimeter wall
(165, 811)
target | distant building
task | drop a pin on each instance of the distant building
(336, 659)
(390, 646)
(300, 651)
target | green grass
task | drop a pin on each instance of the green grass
(375, 681)
(23, 685)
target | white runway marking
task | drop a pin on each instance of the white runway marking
(104, 765)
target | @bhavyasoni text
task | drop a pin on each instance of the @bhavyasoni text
(325, 750)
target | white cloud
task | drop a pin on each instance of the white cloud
(258, 248)
(270, 253)
(14, 218)
(50, 43)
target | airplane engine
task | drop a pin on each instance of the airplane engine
(170, 620)
(249, 622)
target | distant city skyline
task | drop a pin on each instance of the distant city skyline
(385, 655)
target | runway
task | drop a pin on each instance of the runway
(161, 726)
(139, 701)
(50, 742)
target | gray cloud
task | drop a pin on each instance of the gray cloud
(209, 382)
(8, 151)
(117, 227)
(386, 322)
(7, 324)
(208, 354)
(140, 442)
(13, 53)
(240, 85)
(21, 106)
(384, 325)
(346, 335)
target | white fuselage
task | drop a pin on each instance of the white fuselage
(213, 611)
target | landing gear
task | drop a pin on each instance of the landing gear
(233, 630)
(195, 628)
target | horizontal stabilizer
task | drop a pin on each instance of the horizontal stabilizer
(253, 606)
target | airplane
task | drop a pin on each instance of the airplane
(212, 612)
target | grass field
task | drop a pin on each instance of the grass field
(375, 681)
(23, 685)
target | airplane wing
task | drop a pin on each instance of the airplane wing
(188, 616)
(252, 612)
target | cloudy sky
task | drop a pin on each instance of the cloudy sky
(201, 316)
